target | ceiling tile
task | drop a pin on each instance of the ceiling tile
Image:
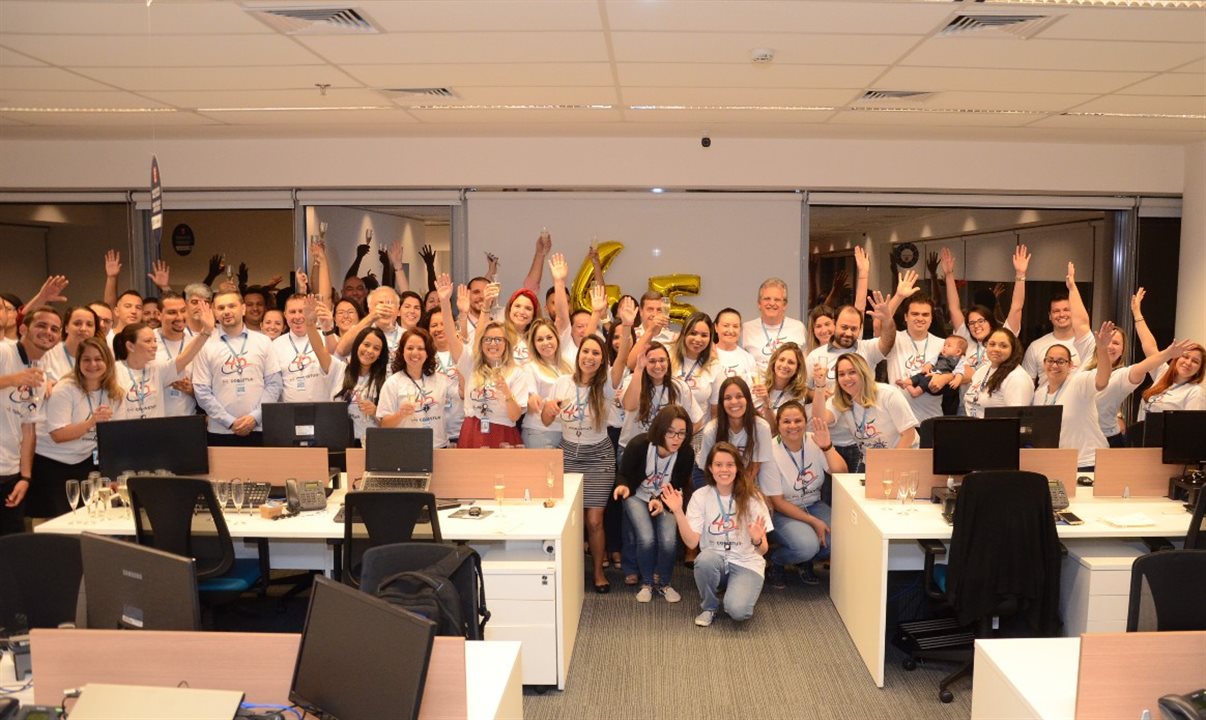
(1005, 101)
(933, 119)
(73, 99)
(515, 117)
(517, 96)
(1148, 104)
(749, 117)
(745, 75)
(45, 78)
(790, 48)
(116, 18)
(968, 52)
(1169, 84)
(167, 51)
(1193, 67)
(516, 47)
(981, 79)
(739, 96)
(223, 78)
(267, 98)
(9, 58)
(482, 74)
(1153, 124)
(1160, 25)
(475, 15)
(776, 16)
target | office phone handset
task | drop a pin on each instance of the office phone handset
(303, 495)
(1059, 497)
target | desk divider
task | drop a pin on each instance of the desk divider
(257, 664)
(1123, 674)
(1055, 463)
(1140, 469)
(271, 465)
(469, 472)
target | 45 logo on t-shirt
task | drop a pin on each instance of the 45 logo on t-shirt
(300, 362)
(654, 481)
(424, 400)
(805, 478)
(138, 392)
(573, 412)
(234, 365)
(914, 363)
(721, 524)
(24, 395)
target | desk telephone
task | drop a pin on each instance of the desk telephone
(304, 495)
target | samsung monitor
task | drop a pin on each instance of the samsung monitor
(129, 586)
(360, 656)
(1184, 437)
(309, 424)
(398, 450)
(1040, 424)
(961, 447)
(175, 444)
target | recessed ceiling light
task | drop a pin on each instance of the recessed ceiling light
(84, 110)
(658, 190)
(296, 109)
(551, 106)
(787, 108)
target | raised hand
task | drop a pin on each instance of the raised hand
(318, 252)
(363, 248)
(820, 375)
(491, 264)
(323, 317)
(490, 296)
(1179, 348)
(161, 274)
(112, 263)
(444, 288)
(598, 299)
(544, 243)
(428, 255)
(906, 284)
(879, 306)
(947, 258)
(931, 264)
(51, 291)
(841, 279)
(310, 310)
(558, 267)
(274, 281)
(383, 257)
(395, 254)
(463, 300)
(1021, 260)
(205, 315)
(1070, 278)
(1137, 304)
(861, 262)
(217, 264)
(820, 432)
(303, 281)
(998, 289)
(627, 310)
(1105, 334)
(243, 274)
(672, 498)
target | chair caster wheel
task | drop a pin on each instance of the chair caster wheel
(946, 696)
(909, 664)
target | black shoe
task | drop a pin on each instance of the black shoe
(603, 588)
(774, 576)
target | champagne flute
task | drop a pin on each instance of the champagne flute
(86, 488)
(73, 497)
(500, 490)
(237, 492)
(223, 494)
(887, 483)
(550, 479)
(123, 492)
(912, 488)
(902, 492)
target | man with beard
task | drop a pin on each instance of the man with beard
(174, 334)
(22, 391)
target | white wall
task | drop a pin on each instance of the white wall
(1191, 298)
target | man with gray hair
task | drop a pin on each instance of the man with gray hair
(772, 328)
(197, 296)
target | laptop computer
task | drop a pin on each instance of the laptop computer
(398, 459)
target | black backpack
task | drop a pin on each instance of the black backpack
(441, 582)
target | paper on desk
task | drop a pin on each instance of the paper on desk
(1137, 519)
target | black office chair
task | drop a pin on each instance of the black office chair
(164, 516)
(387, 517)
(1166, 592)
(1004, 561)
(925, 431)
(460, 563)
(39, 581)
(1196, 538)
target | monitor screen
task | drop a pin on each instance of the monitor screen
(1153, 430)
(1040, 424)
(1184, 437)
(360, 656)
(405, 450)
(134, 587)
(961, 447)
(175, 444)
(322, 424)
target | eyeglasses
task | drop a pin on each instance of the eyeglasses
(676, 434)
(977, 323)
(1058, 362)
(492, 341)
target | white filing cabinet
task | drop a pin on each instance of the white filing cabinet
(1095, 584)
(522, 598)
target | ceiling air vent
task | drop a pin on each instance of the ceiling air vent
(913, 96)
(311, 20)
(1015, 26)
(424, 92)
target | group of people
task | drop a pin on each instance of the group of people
(719, 435)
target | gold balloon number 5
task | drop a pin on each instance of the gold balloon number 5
(670, 286)
(673, 286)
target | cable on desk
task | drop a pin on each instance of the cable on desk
(292, 710)
(7, 690)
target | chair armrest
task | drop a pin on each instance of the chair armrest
(1157, 544)
(932, 549)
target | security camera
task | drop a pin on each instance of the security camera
(705, 141)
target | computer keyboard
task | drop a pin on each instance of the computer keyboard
(378, 483)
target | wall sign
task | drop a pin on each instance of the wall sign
(183, 239)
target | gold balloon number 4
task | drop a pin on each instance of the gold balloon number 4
(671, 286)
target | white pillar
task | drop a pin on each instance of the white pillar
(1191, 281)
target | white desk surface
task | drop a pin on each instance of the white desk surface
(1041, 672)
(519, 521)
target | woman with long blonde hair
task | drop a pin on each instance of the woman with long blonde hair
(876, 414)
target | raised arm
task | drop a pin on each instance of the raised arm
(216, 265)
(598, 307)
(544, 243)
(429, 258)
(863, 267)
(1147, 340)
(491, 266)
(953, 305)
(841, 280)
(1080, 315)
(560, 271)
(320, 269)
(1156, 359)
(205, 316)
(50, 292)
(1102, 377)
(632, 395)
(314, 335)
(881, 312)
(361, 250)
(456, 340)
(112, 270)
(672, 499)
(1021, 262)
(161, 275)
(627, 312)
(343, 348)
(401, 282)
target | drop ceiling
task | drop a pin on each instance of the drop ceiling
(212, 69)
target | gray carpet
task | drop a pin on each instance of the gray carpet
(793, 659)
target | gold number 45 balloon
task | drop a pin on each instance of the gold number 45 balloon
(671, 286)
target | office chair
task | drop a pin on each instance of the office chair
(925, 431)
(388, 517)
(1004, 561)
(1196, 538)
(164, 513)
(39, 581)
(1166, 592)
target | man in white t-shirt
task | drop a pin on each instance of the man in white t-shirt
(234, 376)
(760, 337)
(174, 334)
(1071, 327)
(302, 357)
(383, 312)
(914, 347)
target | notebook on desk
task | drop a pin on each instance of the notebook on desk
(398, 459)
(137, 702)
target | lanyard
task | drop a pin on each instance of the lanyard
(139, 388)
(580, 405)
(687, 376)
(70, 360)
(860, 428)
(724, 515)
(660, 474)
(657, 398)
(297, 353)
(420, 390)
(1049, 400)
(924, 348)
(236, 357)
(978, 355)
(167, 348)
(100, 396)
(771, 343)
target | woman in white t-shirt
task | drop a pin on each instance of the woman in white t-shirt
(1000, 380)
(739, 425)
(877, 415)
(822, 322)
(495, 389)
(521, 310)
(728, 521)
(651, 388)
(1178, 385)
(785, 379)
(734, 360)
(545, 368)
(79, 325)
(1076, 392)
(694, 362)
(416, 394)
(145, 379)
(362, 380)
(66, 436)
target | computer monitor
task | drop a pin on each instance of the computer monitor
(129, 586)
(1184, 437)
(1153, 430)
(175, 444)
(1040, 424)
(399, 450)
(961, 447)
(317, 424)
(360, 656)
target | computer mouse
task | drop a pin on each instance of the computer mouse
(1084, 480)
(475, 511)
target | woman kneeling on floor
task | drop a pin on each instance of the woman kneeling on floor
(728, 520)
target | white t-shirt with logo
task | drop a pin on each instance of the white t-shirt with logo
(1081, 349)
(1080, 429)
(177, 403)
(235, 370)
(761, 340)
(1179, 396)
(659, 398)
(762, 440)
(302, 378)
(878, 426)
(66, 405)
(577, 416)
(484, 402)
(429, 395)
(735, 363)
(544, 382)
(795, 475)
(22, 405)
(658, 471)
(715, 518)
(144, 392)
(908, 357)
(829, 353)
(454, 413)
(1015, 389)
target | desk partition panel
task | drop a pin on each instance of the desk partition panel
(1055, 463)
(1139, 469)
(470, 473)
(1123, 674)
(270, 465)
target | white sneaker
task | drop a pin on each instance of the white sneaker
(645, 594)
(704, 619)
(670, 594)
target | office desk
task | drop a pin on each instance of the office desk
(1028, 678)
(871, 538)
(531, 559)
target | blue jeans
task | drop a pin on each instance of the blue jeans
(656, 541)
(744, 585)
(798, 542)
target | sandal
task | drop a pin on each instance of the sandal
(631, 579)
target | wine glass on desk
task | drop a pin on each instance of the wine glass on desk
(86, 489)
(73, 497)
(913, 480)
(222, 490)
(237, 493)
(902, 492)
(500, 491)
(888, 481)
